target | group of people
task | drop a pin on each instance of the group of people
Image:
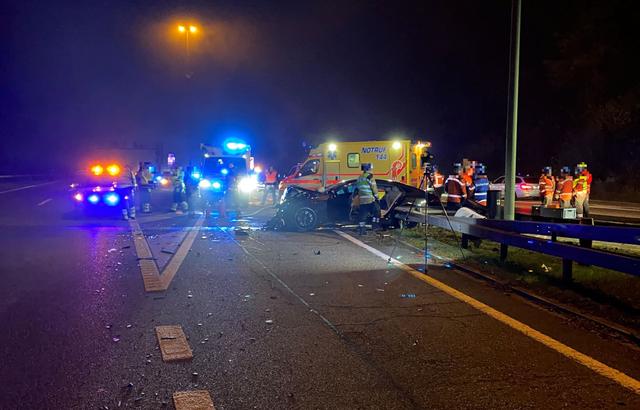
(471, 183)
(466, 183)
(570, 190)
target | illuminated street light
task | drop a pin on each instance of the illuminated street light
(182, 29)
(193, 29)
(187, 32)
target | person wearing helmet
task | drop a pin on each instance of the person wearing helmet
(580, 187)
(547, 185)
(456, 188)
(367, 193)
(564, 187)
(481, 183)
(437, 182)
(179, 192)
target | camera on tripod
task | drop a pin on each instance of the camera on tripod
(426, 162)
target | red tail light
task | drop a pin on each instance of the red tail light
(525, 187)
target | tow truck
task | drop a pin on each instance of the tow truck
(332, 162)
(105, 189)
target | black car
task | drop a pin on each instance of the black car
(303, 210)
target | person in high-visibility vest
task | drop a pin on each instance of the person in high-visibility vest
(367, 193)
(456, 188)
(481, 183)
(582, 167)
(270, 182)
(467, 178)
(437, 181)
(179, 192)
(143, 179)
(564, 188)
(547, 184)
(580, 187)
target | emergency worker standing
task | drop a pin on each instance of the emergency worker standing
(481, 183)
(467, 178)
(547, 185)
(564, 188)
(582, 167)
(129, 181)
(270, 182)
(179, 192)
(437, 181)
(367, 193)
(144, 180)
(456, 188)
(191, 189)
(580, 187)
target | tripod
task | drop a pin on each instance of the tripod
(424, 182)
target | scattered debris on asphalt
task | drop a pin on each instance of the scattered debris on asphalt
(167, 251)
(115, 339)
(408, 295)
(316, 252)
(312, 294)
(129, 326)
(380, 290)
(268, 321)
(112, 250)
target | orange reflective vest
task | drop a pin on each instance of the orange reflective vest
(271, 177)
(456, 189)
(564, 188)
(547, 185)
(589, 177)
(580, 185)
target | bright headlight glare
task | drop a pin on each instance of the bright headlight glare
(247, 185)
(204, 184)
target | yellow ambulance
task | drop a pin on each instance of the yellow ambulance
(332, 162)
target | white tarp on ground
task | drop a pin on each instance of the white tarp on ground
(468, 213)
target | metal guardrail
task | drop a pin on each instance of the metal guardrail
(512, 233)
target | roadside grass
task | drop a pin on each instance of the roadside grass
(543, 273)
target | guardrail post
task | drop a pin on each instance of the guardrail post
(567, 271)
(464, 241)
(504, 249)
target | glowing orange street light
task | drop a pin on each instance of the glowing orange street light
(182, 29)
(193, 29)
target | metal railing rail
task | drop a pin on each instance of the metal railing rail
(511, 233)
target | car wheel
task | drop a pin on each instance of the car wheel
(305, 219)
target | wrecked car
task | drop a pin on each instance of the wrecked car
(302, 209)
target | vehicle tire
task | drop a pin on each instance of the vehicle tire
(304, 219)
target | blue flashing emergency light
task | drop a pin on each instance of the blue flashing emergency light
(196, 175)
(93, 198)
(159, 178)
(112, 199)
(224, 171)
(216, 185)
(235, 146)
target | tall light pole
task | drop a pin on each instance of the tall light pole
(187, 30)
(512, 125)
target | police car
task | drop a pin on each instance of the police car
(105, 189)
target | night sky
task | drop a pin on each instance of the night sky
(79, 74)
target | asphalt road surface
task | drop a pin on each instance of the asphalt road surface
(275, 320)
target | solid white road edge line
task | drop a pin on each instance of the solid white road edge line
(587, 361)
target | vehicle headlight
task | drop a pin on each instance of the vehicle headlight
(248, 184)
(216, 185)
(93, 198)
(204, 184)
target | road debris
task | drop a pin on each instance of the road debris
(112, 250)
(167, 251)
(316, 252)
(116, 339)
(269, 321)
(380, 290)
(312, 294)
(408, 295)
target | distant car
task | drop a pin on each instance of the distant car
(302, 210)
(526, 187)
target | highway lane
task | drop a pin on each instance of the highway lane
(600, 210)
(274, 319)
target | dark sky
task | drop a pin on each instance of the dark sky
(79, 74)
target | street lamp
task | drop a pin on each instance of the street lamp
(187, 31)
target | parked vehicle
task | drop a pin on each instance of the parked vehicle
(303, 209)
(526, 187)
